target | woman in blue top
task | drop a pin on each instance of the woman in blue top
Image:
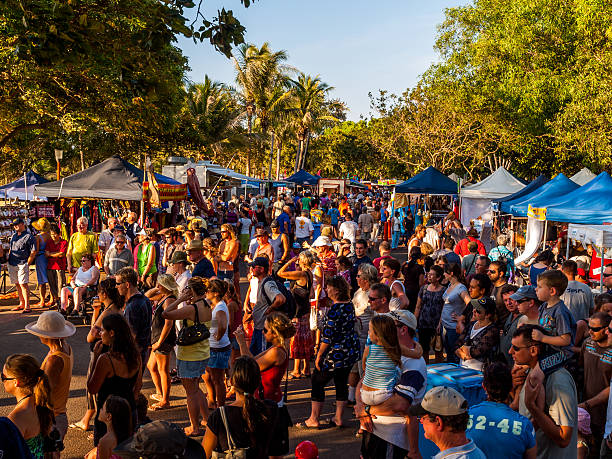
(43, 227)
(338, 351)
(455, 299)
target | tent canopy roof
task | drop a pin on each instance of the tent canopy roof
(499, 184)
(113, 178)
(559, 186)
(583, 176)
(590, 204)
(302, 177)
(17, 189)
(429, 181)
(534, 185)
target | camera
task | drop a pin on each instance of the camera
(53, 442)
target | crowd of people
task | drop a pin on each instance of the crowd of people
(327, 289)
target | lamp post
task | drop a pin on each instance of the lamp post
(59, 154)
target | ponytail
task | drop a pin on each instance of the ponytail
(27, 370)
(246, 380)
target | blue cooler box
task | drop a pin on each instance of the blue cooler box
(466, 381)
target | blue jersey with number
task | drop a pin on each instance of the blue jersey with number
(495, 427)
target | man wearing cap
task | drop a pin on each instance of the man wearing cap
(557, 421)
(361, 247)
(202, 265)
(444, 417)
(22, 251)
(80, 243)
(118, 256)
(528, 305)
(260, 267)
(178, 268)
(388, 429)
(494, 426)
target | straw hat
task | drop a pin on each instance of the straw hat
(42, 224)
(168, 282)
(51, 324)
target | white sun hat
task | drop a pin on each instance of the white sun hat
(51, 324)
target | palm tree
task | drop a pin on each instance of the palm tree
(261, 80)
(311, 111)
(211, 116)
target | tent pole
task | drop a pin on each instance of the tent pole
(601, 268)
(567, 248)
(25, 185)
(545, 231)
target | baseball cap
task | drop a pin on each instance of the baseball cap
(405, 317)
(486, 304)
(526, 291)
(159, 439)
(17, 221)
(441, 400)
(264, 262)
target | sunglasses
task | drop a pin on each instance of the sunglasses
(83, 260)
(492, 272)
(6, 378)
(373, 299)
(596, 329)
(607, 274)
(518, 348)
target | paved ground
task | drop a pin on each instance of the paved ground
(14, 339)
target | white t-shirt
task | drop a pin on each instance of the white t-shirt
(254, 283)
(277, 208)
(214, 325)
(246, 225)
(349, 230)
(303, 227)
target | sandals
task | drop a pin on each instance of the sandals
(156, 397)
(76, 425)
(303, 426)
(159, 406)
(292, 376)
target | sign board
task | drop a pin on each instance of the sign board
(538, 213)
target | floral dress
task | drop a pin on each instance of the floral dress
(338, 332)
(431, 307)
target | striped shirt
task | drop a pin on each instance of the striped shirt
(380, 372)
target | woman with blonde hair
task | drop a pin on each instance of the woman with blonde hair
(210, 252)
(273, 363)
(301, 349)
(43, 227)
(228, 253)
(163, 339)
(23, 378)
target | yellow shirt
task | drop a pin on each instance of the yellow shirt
(81, 244)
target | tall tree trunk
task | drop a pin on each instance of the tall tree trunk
(248, 153)
(271, 155)
(81, 152)
(278, 155)
(305, 147)
(298, 156)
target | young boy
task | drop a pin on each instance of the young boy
(555, 318)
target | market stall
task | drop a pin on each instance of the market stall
(534, 185)
(303, 178)
(22, 189)
(599, 236)
(583, 176)
(476, 199)
(558, 186)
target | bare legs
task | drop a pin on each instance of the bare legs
(159, 367)
(215, 386)
(196, 405)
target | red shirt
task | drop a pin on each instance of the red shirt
(59, 263)
(461, 249)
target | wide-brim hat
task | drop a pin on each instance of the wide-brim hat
(178, 257)
(322, 241)
(159, 439)
(51, 324)
(261, 232)
(195, 244)
(42, 224)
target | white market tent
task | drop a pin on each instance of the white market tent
(476, 199)
(583, 176)
(597, 235)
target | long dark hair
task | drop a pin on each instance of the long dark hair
(247, 379)
(109, 287)
(123, 343)
(121, 419)
(27, 370)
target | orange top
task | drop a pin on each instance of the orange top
(59, 393)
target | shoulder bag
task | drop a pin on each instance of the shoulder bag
(233, 452)
(194, 333)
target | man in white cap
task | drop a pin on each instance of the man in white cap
(387, 428)
(444, 416)
(52, 328)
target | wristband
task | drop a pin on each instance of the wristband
(367, 409)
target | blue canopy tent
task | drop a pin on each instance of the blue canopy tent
(533, 186)
(590, 204)
(553, 191)
(430, 181)
(302, 177)
(23, 187)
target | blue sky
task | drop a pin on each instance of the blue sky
(355, 46)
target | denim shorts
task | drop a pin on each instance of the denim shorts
(191, 369)
(219, 359)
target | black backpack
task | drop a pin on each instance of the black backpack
(288, 307)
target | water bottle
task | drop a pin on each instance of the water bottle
(287, 285)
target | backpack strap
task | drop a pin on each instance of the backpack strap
(230, 441)
(263, 289)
